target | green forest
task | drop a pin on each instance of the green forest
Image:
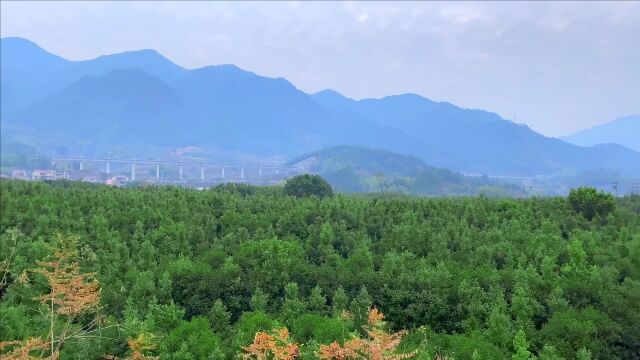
(285, 272)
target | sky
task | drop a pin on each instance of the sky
(556, 66)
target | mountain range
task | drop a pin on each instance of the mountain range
(140, 98)
(624, 131)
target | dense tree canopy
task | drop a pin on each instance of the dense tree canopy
(188, 274)
(591, 202)
(307, 185)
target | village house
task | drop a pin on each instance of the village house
(20, 174)
(43, 175)
(118, 180)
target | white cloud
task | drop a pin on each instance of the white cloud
(555, 23)
(362, 17)
(462, 14)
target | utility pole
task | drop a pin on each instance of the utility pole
(158, 167)
(382, 182)
(133, 168)
(615, 187)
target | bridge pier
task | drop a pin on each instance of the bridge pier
(260, 172)
(133, 171)
(81, 165)
(180, 172)
(108, 168)
(157, 171)
(201, 172)
(241, 173)
(222, 172)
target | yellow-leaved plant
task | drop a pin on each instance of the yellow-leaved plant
(272, 346)
(379, 344)
(71, 293)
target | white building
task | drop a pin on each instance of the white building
(118, 180)
(63, 175)
(91, 179)
(20, 174)
(43, 175)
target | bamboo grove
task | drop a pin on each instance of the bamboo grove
(94, 272)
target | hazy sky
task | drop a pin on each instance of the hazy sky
(557, 67)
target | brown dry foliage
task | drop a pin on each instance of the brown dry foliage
(379, 345)
(72, 292)
(23, 350)
(138, 347)
(275, 346)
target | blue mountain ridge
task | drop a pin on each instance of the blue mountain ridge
(142, 97)
(624, 131)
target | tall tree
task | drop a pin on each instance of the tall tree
(339, 301)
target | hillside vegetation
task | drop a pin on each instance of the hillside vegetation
(187, 274)
(360, 169)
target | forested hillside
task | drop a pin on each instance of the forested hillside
(360, 169)
(187, 274)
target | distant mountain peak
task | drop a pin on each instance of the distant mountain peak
(121, 83)
(333, 100)
(15, 40)
(143, 53)
(18, 52)
(624, 131)
(329, 92)
(137, 57)
(227, 69)
(408, 95)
